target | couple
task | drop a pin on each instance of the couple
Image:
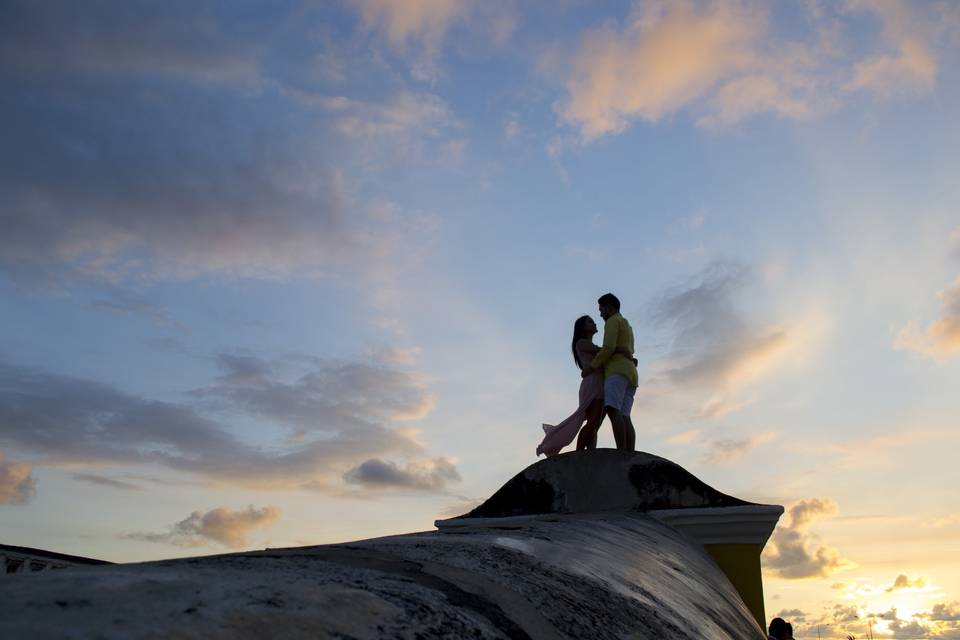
(609, 382)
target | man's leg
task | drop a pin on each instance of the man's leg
(630, 435)
(619, 428)
(614, 388)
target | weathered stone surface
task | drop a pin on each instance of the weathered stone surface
(601, 480)
(584, 576)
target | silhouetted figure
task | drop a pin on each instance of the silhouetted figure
(619, 370)
(591, 397)
(789, 635)
(778, 629)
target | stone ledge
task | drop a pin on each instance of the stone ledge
(748, 524)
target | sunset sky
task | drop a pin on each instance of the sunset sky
(294, 272)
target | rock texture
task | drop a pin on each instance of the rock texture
(574, 576)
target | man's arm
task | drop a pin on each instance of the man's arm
(611, 331)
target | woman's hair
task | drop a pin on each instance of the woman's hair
(577, 334)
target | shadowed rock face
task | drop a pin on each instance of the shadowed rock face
(557, 576)
(601, 480)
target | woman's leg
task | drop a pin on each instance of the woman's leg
(588, 434)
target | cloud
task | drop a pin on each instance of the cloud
(418, 28)
(106, 482)
(667, 55)
(722, 450)
(221, 525)
(167, 343)
(889, 614)
(946, 612)
(339, 411)
(512, 129)
(940, 622)
(910, 63)
(882, 449)
(729, 450)
(17, 485)
(684, 437)
(243, 369)
(864, 589)
(454, 150)
(713, 349)
(950, 520)
(188, 40)
(844, 613)
(83, 202)
(407, 123)
(941, 339)
(903, 582)
(401, 356)
(711, 341)
(142, 141)
(904, 629)
(111, 173)
(794, 552)
(806, 511)
(402, 21)
(462, 506)
(405, 114)
(722, 405)
(327, 394)
(124, 303)
(758, 93)
(427, 475)
(727, 60)
(795, 614)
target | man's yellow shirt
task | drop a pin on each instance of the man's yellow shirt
(616, 334)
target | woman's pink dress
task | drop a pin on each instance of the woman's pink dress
(559, 436)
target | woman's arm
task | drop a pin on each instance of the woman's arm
(586, 345)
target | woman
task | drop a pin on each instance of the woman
(591, 397)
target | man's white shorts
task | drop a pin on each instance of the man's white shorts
(618, 393)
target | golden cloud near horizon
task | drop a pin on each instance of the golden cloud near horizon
(222, 525)
(794, 552)
(17, 485)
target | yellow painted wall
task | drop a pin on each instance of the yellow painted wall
(741, 563)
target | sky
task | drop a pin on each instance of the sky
(294, 272)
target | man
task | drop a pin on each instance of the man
(619, 371)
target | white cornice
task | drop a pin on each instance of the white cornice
(748, 524)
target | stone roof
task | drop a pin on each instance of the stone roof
(601, 480)
(550, 577)
(50, 555)
(590, 545)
